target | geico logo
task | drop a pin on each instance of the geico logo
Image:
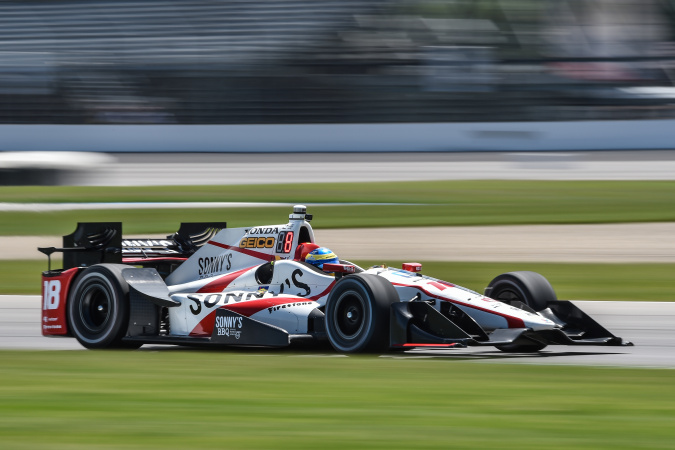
(260, 242)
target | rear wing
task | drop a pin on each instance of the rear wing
(102, 242)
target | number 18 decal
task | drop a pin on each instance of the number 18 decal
(52, 294)
(285, 242)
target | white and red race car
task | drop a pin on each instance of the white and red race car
(212, 285)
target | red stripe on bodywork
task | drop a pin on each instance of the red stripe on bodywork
(438, 286)
(221, 283)
(512, 322)
(253, 306)
(325, 292)
(245, 308)
(205, 327)
(245, 251)
(151, 259)
(425, 345)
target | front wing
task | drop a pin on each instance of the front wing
(419, 324)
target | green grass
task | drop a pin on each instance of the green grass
(633, 282)
(225, 399)
(460, 192)
(444, 203)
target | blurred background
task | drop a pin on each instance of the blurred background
(480, 90)
(334, 61)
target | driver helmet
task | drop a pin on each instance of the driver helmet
(318, 257)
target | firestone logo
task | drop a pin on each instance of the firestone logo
(287, 305)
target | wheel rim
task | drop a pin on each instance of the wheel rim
(95, 308)
(350, 312)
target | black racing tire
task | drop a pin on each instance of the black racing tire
(357, 314)
(529, 288)
(98, 307)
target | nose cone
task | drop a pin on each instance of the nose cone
(537, 322)
(529, 319)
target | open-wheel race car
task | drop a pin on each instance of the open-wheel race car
(208, 284)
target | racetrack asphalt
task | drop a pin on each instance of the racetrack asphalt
(147, 169)
(647, 324)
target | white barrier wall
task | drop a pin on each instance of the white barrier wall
(407, 137)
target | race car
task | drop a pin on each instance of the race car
(272, 286)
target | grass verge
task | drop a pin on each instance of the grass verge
(429, 203)
(634, 282)
(201, 399)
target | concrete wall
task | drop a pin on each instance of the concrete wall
(441, 137)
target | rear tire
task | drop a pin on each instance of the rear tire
(357, 314)
(98, 307)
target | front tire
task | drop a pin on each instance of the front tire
(529, 288)
(98, 307)
(357, 314)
